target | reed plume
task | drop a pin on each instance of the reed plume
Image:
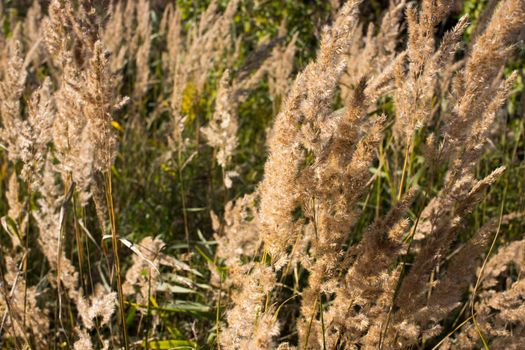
(373, 201)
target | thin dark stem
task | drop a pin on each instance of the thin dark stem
(115, 246)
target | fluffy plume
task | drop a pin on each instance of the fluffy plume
(221, 132)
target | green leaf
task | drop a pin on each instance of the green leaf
(166, 287)
(185, 306)
(170, 344)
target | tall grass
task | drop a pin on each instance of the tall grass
(183, 175)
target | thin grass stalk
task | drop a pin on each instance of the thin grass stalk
(452, 332)
(408, 148)
(408, 239)
(80, 250)
(218, 315)
(4, 316)
(115, 247)
(69, 187)
(183, 196)
(310, 325)
(322, 320)
(91, 284)
(482, 269)
(7, 299)
(148, 312)
(28, 208)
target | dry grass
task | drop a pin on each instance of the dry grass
(388, 213)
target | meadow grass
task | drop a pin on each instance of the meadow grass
(262, 174)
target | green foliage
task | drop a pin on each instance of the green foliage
(164, 195)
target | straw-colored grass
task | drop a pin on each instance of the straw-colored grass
(262, 175)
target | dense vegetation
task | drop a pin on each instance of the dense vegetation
(262, 174)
